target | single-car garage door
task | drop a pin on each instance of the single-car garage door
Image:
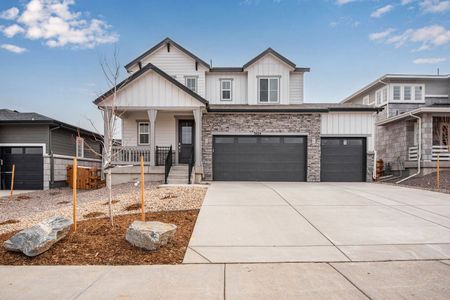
(343, 159)
(29, 167)
(259, 158)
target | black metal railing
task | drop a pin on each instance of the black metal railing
(161, 155)
(168, 164)
(191, 165)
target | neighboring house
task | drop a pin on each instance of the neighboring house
(236, 123)
(41, 148)
(410, 102)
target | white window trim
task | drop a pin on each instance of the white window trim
(382, 96)
(222, 80)
(278, 78)
(78, 139)
(402, 93)
(196, 82)
(366, 100)
(139, 134)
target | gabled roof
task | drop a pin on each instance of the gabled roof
(160, 72)
(277, 55)
(159, 45)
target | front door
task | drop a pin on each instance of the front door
(186, 139)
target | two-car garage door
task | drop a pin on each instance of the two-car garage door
(283, 158)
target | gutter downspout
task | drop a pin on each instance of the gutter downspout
(52, 159)
(419, 154)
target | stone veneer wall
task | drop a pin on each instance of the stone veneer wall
(391, 143)
(264, 123)
(370, 162)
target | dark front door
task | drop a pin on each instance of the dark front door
(259, 158)
(186, 138)
(343, 159)
(29, 167)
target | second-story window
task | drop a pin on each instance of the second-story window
(225, 89)
(396, 90)
(144, 133)
(191, 83)
(269, 89)
(408, 92)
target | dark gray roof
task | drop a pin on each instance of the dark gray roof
(277, 55)
(305, 107)
(157, 46)
(146, 68)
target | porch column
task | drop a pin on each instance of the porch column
(198, 136)
(152, 118)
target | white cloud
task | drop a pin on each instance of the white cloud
(428, 37)
(435, 6)
(342, 2)
(406, 2)
(382, 10)
(429, 60)
(12, 30)
(13, 48)
(381, 35)
(9, 14)
(54, 22)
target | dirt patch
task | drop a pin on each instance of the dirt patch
(94, 214)
(62, 202)
(112, 202)
(54, 193)
(23, 197)
(97, 243)
(132, 207)
(428, 182)
(9, 222)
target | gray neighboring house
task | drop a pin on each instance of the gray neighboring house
(415, 121)
(41, 148)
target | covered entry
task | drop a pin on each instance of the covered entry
(259, 158)
(29, 166)
(343, 159)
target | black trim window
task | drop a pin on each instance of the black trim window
(226, 89)
(269, 89)
(191, 83)
(144, 133)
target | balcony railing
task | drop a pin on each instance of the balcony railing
(442, 151)
(413, 153)
(125, 155)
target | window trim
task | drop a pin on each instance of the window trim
(186, 78)
(139, 133)
(77, 141)
(278, 78)
(222, 80)
(412, 86)
(366, 100)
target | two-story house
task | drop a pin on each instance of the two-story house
(246, 123)
(412, 131)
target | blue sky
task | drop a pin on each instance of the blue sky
(50, 49)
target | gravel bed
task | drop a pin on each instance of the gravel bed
(44, 204)
(427, 182)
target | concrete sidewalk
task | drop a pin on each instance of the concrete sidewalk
(375, 280)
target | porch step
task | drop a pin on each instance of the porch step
(178, 175)
(177, 181)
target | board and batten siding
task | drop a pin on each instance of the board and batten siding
(296, 88)
(153, 90)
(238, 89)
(25, 134)
(177, 64)
(268, 66)
(348, 124)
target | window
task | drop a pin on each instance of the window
(191, 83)
(268, 89)
(366, 100)
(80, 147)
(396, 92)
(444, 134)
(407, 93)
(378, 97)
(225, 89)
(144, 133)
(418, 94)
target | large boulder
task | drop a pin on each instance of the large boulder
(150, 235)
(39, 238)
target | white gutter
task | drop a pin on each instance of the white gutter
(419, 154)
(415, 111)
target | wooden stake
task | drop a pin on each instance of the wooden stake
(142, 190)
(74, 188)
(12, 181)
(438, 170)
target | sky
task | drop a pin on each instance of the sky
(50, 49)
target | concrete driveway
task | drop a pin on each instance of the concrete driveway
(319, 222)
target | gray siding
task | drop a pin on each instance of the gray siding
(63, 142)
(19, 134)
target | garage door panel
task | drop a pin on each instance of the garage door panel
(258, 158)
(343, 159)
(29, 167)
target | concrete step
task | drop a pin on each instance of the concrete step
(172, 176)
(177, 181)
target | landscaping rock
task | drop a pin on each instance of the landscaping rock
(39, 238)
(150, 235)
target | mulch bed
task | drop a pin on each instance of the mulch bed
(97, 243)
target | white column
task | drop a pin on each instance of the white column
(152, 118)
(198, 136)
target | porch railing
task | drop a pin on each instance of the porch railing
(191, 165)
(168, 164)
(442, 151)
(125, 155)
(413, 153)
(161, 154)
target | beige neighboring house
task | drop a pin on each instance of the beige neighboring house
(415, 122)
(191, 122)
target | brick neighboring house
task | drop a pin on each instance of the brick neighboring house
(415, 122)
(41, 148)
(246, 123)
